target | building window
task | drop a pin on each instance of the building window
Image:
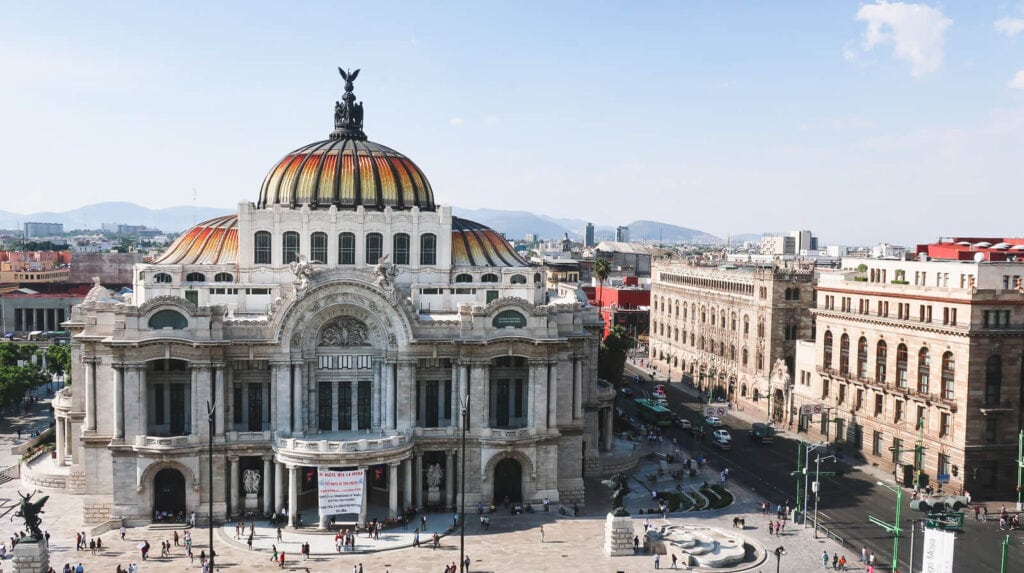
(374, 248)
(162, 278)
(400, 246)
(760, 329)
(844, 355)
(877, 442)
(223, 277)
(746, 325)
(948, 367)
(897, 450)
(489, 278)
(347, 249)
(991, 430)
(943, 467)
(901, 365)
(827, 358)
(261, 248)
(881, 355)
(841, 398)
(993, 380)
(745, 354)
(824, 389)
(945, 431)
(862, 358)
(898, 412)
(467, 278)
(879, 405)
(195, 278)
(860, 399)
(760, 361)
(922, 420)
(318, 248)
(290, 247)
(924, 367)
(521, 280)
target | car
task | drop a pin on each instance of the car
(661, 401)
(657, 394)
(722, 435)
(713, 421)
(626, 391)
(684, 424)
(659, 388)
(762, 432)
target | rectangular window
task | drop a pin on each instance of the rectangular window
(363, 405)
(344, 406)
(898, 412)
(236, 404)
(922, 421)
(346, 249)
(158, 404)
(897, 450)
(824, 389)
(325, 405)
(318, 247)
(261, 248)
(945, 430)
(448, 399)
(400, 245)
(944, 465)
(860, 399)
(991, 430)
(428, 249)
(290, 247)
(374, 248)
(879, 404)
(876, 443)
(842, 394)
(256, 390)
(192, 296)
(492, 295)
(520, 398)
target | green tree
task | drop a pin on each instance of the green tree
(58, 359)
(611, 356)
(601, 270)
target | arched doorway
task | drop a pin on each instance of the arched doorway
(169, 492)
(778, 406)
(508, 481)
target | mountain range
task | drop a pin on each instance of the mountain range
(513, 224)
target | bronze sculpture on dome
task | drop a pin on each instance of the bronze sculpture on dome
(348, 115)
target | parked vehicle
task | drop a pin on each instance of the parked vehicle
(713, 421)
(762, 432)
(722, 439)
(684, 424)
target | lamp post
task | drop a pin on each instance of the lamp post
(779, 552)
(894, 528)
(817, 488)
(462, 486)
(209, 492)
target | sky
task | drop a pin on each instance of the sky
(864, 122)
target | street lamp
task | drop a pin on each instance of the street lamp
(779, 552)
(209, 413)
(817, 488)
(464, 402)
(893, 528)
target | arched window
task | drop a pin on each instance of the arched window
(428, 249)
(463, 278)
(901, 365)
(733, 325)
(347, 249)
(948, 370)
(517, 280)
(374, 248)
(676, 338)
(993, 380)
(796, 293)
(732, 352)
(223, 278)
(760, 360)
(168, 319)
(289, 247)
(721, 321)
(760, 329)
(746, 356)
(881, 356)
(746, 325)
(703, 314)
(318, 247)
(489, 278)
(677, 309)
(721, 349)
(536, 278)
(826, 361)
(924, 367)
(862, 358)
(195, 278)
(261, 248)
(844, 354)
(789, 294)
(692, 335)
(400, 249)
(162, 278)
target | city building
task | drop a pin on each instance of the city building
(919, 365)
(342, 320)
(621, 234)
(588, 236)
(628, 259)
(36, 230)
(624, 303)
(797, 242)
(726, 327)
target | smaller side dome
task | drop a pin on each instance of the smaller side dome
(213, 242)
(474, 245)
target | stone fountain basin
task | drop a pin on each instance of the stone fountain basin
(706, 546)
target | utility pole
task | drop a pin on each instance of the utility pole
(817, 487)
(1006, 551)
(1020, 465)
(894, 528)
(800, 469)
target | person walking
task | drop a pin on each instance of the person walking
(279, 534)
(280, 560)
(824, 559)
(657, 560)
(835, 561)
(542, 534)
(636, 545)
(864, 554)
(674, 559)
(273, 556)
(771, 527)
(123, 530)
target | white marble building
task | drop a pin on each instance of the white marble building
(337, 322)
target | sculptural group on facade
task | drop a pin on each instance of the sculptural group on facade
(251, 481)
(345, 331)
(434, 475)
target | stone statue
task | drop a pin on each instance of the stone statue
(345, 331)
(251, 481)
(98, 291)
(384, 273)
(780, 372)
(303, 270)
(29, 511)
(618, 485)
(434, 475)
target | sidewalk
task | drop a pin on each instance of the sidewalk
(37, 419)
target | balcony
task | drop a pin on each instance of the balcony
(345, 443)
(165, 443)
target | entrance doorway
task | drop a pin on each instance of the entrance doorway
(778, 406)
(169, 492)
(508, 481)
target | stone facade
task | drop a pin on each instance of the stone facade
(725, 327)
(919, 353)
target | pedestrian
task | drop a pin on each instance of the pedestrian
(871, 560)
(835, 561)
(977, 513)
(842, 563)
(984, 513)
(636, 545)
(123, 531)
(465, 564)
(864, 554)
(542, 534)
(280, 560)
(273, 549)
(249, 542)
(437, 540)
(279, 534)
(416, 537)
(771, 527)
(824, 559)
(674, 559)
(779, 527)
(657, 560)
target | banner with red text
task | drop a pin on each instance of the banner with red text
(340, 491)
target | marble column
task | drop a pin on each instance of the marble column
(553, 394)
(417, 478)
(268, 461)
(389, 395)
(393, 489)
(293, 494)
(335, 422)
(143, 399)
(375, 396)
(353, 423)
(324, 521)
(297, 399)
(480, 383)
(407, 472)
(456, 409)
(59, 431)
(90, 394)
(531, 394)
(202, 386)
(406, 394)
(233, 486)
(366, 494)
(278, 487)
(280, 406)
(540, 396)
(449, 478)
(118, 402)
(68, 446)
(577, 388)
(608, 421)
(219, 401)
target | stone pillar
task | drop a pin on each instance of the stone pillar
(90, 394)
(278, 487)
(449, 478)
(480, 382)
(353, 423)
(67, 437)
(417, 478)
(299, 387)
(375, 396)
(389, 395)
(456, 407)
(118, 403)
(143, 400)
(608, 421)
(335, 422)
(407, 472)
(267, 499)
(393, 489)
(552, 408)
(464, 393)
(577, 388)
(293, 494)
(202, 387)
(532, 383)
(280, 406)
(220, 402)
(324, 521)
(233, 486)
(406, 394)
(366, 494)
(311, 404)
(58, 429)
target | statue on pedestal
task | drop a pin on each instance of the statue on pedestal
(619, 488)
(29, 511)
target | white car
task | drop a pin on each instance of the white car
(713, 421)
(722, 436)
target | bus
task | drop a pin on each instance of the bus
(652, 412)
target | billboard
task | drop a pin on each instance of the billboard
(340, 491)
(938, 551)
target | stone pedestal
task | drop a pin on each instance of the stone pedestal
(252, 503)
(31, 556)
(433, 496)
(618, 535)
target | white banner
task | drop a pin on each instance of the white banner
(938, 551)
(340, 491)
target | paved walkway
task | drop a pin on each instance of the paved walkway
(36, 419)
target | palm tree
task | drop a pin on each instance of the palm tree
(601, 270)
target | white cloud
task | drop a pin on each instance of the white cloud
(456, 121)
(916, 31)
(491, 120)
(1009, 26)
(1017, 82)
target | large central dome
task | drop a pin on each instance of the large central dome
(346, 170)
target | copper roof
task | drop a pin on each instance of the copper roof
(474, 245)
(213, 242)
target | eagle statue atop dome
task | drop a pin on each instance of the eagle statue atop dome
(348, 115)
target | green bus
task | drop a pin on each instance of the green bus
(652, 412)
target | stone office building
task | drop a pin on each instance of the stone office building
(726, 326)
(341, 321)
